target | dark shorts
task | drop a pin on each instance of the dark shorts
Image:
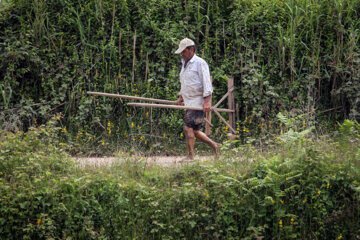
(194, 119)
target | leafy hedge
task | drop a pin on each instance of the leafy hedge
(304, 189)
(294, 56)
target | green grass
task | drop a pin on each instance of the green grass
(300, 188)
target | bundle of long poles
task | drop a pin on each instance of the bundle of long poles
(166, 104)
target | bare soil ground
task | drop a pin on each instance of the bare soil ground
(166, 161)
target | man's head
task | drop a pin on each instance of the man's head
(186, 49)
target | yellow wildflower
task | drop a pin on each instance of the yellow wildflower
(132, 124)
(318, 192)
(38, 221)
(281, 201)
(109, 124)
(164, 135)
(141, 138)
(181, 134)
(147, 114)
(328, 185)
(291, 220)
(103, 143)
(280, 223)
(340, 236)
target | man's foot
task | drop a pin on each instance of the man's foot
(191, 155)
(217, 151)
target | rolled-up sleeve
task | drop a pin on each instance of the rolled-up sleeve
(204, 75)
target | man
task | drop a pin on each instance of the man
(196, 90)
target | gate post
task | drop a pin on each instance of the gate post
(231, 102)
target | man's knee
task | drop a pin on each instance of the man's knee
(189, 132)
(197, 133)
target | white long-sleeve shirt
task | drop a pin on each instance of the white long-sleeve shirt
(195, 82)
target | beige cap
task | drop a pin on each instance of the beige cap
(186, 42)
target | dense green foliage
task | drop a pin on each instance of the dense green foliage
(295, 56)
(296, 65)
(302, 189)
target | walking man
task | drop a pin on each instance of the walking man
(196, 90)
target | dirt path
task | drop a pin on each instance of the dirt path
(166, 161)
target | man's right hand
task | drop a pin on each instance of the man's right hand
(180, 101)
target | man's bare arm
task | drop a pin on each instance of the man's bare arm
(207, 104)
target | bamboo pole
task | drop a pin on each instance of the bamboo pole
(208, 124)
(224, 121)
(177, 107)
(113, 19)
(132, 97)
(134, 60)
(147, 66)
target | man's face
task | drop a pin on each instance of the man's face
(187, 54)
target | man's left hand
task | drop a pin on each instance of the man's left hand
(207, 104)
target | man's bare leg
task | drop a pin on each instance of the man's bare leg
(190, 142)
(205, 139)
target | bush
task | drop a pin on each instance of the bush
(34, 152)
(301, 191)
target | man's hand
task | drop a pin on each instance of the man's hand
(180, 101)
(207, 104)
